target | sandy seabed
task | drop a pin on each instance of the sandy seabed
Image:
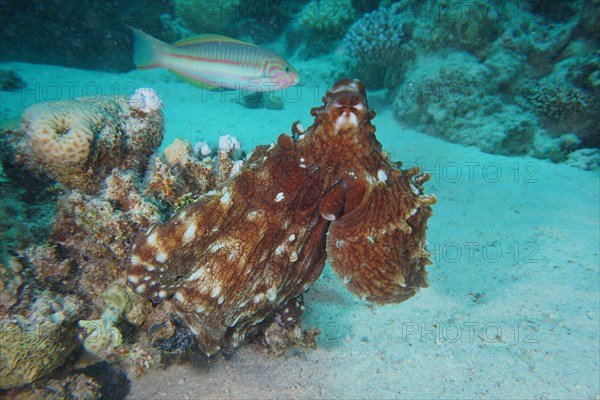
(513, 306)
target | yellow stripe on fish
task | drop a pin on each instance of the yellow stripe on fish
(214, 61)
(207, 38)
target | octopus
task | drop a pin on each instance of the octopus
(240, 254)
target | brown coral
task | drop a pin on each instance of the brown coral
(102, 226)
(79, 142)
(32, 345)
(179, 175)
(229, 260)
(10, 283)
(563, 107)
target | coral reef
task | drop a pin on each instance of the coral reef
(26, 214)
(381, 45)
(589, 20)
(36, 341)
(78, 255)
(508, 78)
(586, 159)
(62, 133)
(282, 329)
(179, 176)
(11, 81)
(568, 99)
(320, 23)
(541, 42)
(473, 26)
(90, 236)
(145, 100)
(78, 143)
(103, 334)
(28, 200)
(374, 44)
(75, 386)
(556, 11)
(264, 235)
(178, 153)
(209, 17)
(100, 228)
(256, 21)
(10, 282)
(455, 97)
(558, 102)
(103, 337)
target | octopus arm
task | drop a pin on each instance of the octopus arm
(378, 249)
(332, 204)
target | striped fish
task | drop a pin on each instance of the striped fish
(213, 61)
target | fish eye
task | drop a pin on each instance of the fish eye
(287, 69)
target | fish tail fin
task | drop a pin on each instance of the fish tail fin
(148, 51)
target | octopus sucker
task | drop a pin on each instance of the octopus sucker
(246, 251)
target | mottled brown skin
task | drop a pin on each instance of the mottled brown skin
(230, 259)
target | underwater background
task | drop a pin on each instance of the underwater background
(498, 101)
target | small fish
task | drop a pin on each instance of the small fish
(213, 61)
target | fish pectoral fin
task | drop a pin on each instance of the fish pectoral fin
(193, 82)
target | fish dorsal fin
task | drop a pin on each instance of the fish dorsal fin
(195, 40)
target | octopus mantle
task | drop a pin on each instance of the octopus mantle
(231, 258)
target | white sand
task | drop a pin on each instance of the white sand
(513, 307)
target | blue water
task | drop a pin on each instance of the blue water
(497, 101)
